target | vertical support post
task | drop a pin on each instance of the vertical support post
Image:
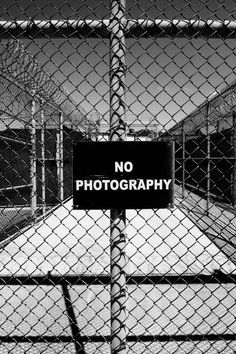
(173, 146)
(33, 163)
(234, 163)
(117, 133)
(59, 158)
(208, 156)
(43, 166)
(183, 163)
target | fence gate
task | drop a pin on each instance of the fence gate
(117, 279)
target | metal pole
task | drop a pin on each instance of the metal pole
(43, 167)
(234, 164)
(59, 158)
(208, 192)
(33, 166)
(117, 133)
(183, 163)
(173, 146)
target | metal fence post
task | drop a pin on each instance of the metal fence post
(208, 157)
(33, 166)
(183, 162)
(59, 157)
(234, 164)
(43, 166)
(117, 133)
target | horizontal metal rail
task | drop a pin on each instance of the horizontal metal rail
(16, 187)
(14, 140)
(50, 280)
(203, 158)
(131, 338)
(40, 159)
(141, 28)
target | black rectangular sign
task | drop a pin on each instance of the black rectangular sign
(122, 175)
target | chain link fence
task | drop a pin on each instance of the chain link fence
(117, 281)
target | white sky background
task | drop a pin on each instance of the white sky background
(166, 79)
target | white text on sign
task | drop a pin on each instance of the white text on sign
(123, 166)
(124, 184)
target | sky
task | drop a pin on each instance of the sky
(166, 79)
(72, 9)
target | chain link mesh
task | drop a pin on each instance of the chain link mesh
(105, 70)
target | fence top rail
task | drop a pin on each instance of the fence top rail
(141, 28)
